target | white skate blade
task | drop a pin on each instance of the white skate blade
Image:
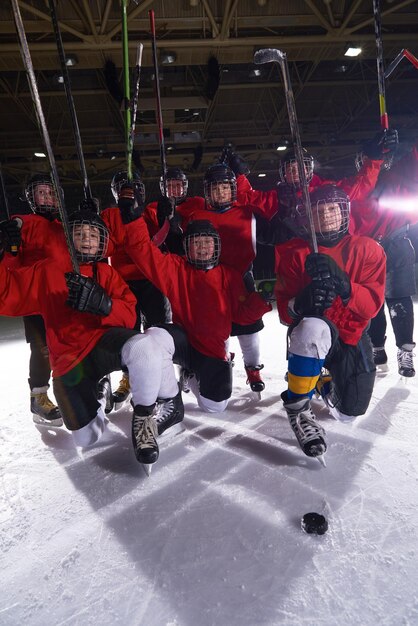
(177, 429)
(321, 459)
(256, 395)
(147, 467)
(119, 405)
(42, 421)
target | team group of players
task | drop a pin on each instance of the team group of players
(139, 308)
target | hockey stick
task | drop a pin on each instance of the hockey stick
(27, 62)
(126, 87)
(159, 237)
(4, 212)
(272, 55)
(158, 102)
(384, 120)
(134, 104)
(403, 53)
(70, 101)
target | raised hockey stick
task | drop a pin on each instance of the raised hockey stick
(134, 103)
(159, 237)
(126, 86)
(27, 62)
(384, 120)
(272, 55)
(158, 101)
(70, 101)
(403, 53)
(4, 210)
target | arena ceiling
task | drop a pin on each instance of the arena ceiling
(336, 97)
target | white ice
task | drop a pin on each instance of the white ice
(214, 536)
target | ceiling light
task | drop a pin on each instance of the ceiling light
(113, 157)
(71, 60)
(40, 155)
(169, 147)
(195, 112)
(352, 51)
(168, 57)
(255, 72)
(281, 147)
(262, 175)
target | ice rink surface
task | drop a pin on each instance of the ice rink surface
(213, 536)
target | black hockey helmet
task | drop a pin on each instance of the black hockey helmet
(175, 174)
(194, 230)
(41, 195)
(289, 171)
(121, 178)
(90, 235)
(214, 176)
(330, 212)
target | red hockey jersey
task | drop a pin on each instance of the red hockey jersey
(70, 334)
(204, 303)
(365, 263)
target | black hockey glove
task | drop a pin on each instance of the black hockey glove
(87, 296)
(130, 203)
(10, 236)
(165, 209)
(322, 269)
(237, 164)
(315, 298)
(383, 144)
(90, 204)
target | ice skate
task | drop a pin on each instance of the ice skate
(122, 394)
(44, 412)
(254, 378)
(380, 359)
(105, 395)
(144, 436)
(310, 435)
(406, 360)
(169, 415)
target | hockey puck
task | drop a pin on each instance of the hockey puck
(314, 524)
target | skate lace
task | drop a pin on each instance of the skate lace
(145, 428)
(123, 385)
(185, 378)
(405, 359)
(44, 402)
(307, 427)
(164, 410)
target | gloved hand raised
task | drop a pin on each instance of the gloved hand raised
(130, 203)
(234, 161)
(86, 295)
(90, 204)
(10, 236)
(322, 269)
(383, 144)
(165, 209)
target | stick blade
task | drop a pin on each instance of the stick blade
(268, 55)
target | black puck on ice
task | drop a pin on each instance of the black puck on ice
(314, 524)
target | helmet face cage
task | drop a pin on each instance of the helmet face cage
(202, 249)
(289, 171)
(331, 216)
(90, 237)
(41, 196)
(177, 185)
(121, 178)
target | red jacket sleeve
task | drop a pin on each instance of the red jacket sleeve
(247, 307)
(357, 187)
(264, 203)
(123, 312)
